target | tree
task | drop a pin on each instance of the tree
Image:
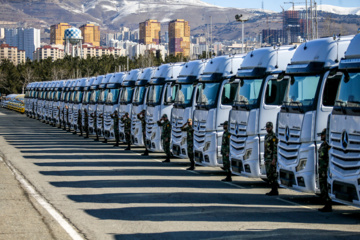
(27, 76)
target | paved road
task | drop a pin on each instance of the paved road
(109, 193)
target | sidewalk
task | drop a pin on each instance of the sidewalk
(21, 217)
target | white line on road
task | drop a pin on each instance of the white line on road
(2, 114)
(293, 203)
(52, 211)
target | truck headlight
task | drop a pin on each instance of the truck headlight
(247, 153)
(183, 141)
(301, 165)
(153, 136)
(207, 146)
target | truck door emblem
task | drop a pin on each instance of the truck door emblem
(287, 133)
(344, 139)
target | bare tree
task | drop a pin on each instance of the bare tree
(4, 82)
(27, 76)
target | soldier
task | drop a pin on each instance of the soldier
(115, 118)
(225, 151)
(67, 116)
(323, 168)
(270, 155)
(165, 135)
(93, 116)
(79, 123)
(187, 127)
(86, 123)
(141, 117)
(102, 124)
(127, 129)
(59, 116)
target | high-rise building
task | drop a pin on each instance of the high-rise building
(12, 54)
(48, 51)
(57, 33)
(27, 39)
(91, 34)
(149, 32)
(179, 37)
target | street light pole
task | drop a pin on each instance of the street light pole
(238, 19)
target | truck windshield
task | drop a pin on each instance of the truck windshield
(302, 92)
(103, 95)
(79, 97)
(126, 95)
(72, 97)
(184, 95)
(94, 96)
(86, 97)
(63, 96)
(154, 96)
(57, 95)
(113, 96)
(68, 96)
(348, 94)
(248, 92)
(208, 93)
(139, 94)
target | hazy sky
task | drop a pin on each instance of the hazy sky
(275, 4)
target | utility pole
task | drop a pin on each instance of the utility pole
(238, 19)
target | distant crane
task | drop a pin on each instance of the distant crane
(293, 3)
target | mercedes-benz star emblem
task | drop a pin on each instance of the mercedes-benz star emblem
(287, 133)
(344, 139)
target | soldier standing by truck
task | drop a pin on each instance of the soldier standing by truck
(127, 129)
(141, 117)
(187, 127)
(79, 123)
(270, 155)
(86, 123)
(165, 135)
(93, 115)
(323, 169)
(115, 118)
(225, 151)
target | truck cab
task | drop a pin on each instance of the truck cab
(216, 94)
(160, 101)
(184, 105)
(101, 103)
(308, 101)
(126, 97)
(49, 102)
(63, 99)
(70, 104)
(28, 97)
(59, 88)
(260, 93)
(344, 131)
(76, 106)
(139, 104)
(86, 99)
(112, 103)
(94, 98)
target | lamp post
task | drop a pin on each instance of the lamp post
(238, 19)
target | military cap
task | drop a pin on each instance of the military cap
(189, 120)
(164, 116)
(323, 131)
(226, 123)
(269, 124)
(126, 114)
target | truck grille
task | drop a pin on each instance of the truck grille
(289, 144)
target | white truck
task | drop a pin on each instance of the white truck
(184, 105)
(41, 100)
(308, 101)
(95, 92)
(29, 95)
(86, 99)
(139, 104)
(69, 105)
(49, 102)
(344, 131)
(112, 103)
(78, 97)
(217, 91)
(55, 117)
(160, 101)
(126, 97)
(101, 104)
(260, 93)
(65, 95)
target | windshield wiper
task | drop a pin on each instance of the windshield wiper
(342, 105)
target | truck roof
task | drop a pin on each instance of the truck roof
(168, 72)
(226, 66)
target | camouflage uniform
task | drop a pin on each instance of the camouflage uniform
(165, 136)
(323, 169)
(127, 129)
(270, 154)
(225, 150)
(141, 117)
(115, 118)
(190, 143)
(79, 122)
(86, 123)
(93, 116)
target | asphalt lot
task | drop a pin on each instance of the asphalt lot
(104, 192)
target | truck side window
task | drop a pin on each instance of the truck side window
(331, 87)
(275, 91)
(229, 93)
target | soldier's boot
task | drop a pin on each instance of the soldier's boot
(228, 177)
(105, 140)
(167, 159)
(274, 190)
(74, 132)
(146, 153)
(87, 135)
(326, 208)
(129, 147)
(97, 138)
(192, 166)
(81, 133)
(116, 144)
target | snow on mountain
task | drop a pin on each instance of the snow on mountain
(333, 9)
